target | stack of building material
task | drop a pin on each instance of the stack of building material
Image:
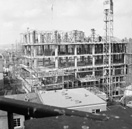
(76, 36)
(127, 97)
(53, 36)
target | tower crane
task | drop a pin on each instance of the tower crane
(107, 47)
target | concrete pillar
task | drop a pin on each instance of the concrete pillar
(93, 72)
(125, 70)
(125, 58)
(31, 37)
(75, 59)
(39, 37)
(83, 49)
(67, 61)
(110, 56)
(26, 50)
(28, 37)
(58, 50)
(93, 53)
(66, 49)
(35, 54)
(56, 62)
(43, 50)
(35, 63)
(32, 51)
(34, 36)
(83, 59)
(75, 53)
(76, 71)
(56, 56)
(29, 50)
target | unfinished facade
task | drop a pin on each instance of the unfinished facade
(70, 60)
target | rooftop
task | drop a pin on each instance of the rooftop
(70, 98)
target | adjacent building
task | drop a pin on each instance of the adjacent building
(18, 119)
(78, 99)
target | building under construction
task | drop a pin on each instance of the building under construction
(58, 59)
(69, 59)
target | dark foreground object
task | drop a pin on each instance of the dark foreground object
(119, 118)
(50, 117)
(34, 110)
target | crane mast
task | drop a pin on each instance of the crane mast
(107, 47)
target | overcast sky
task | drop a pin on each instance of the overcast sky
(17, 15)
